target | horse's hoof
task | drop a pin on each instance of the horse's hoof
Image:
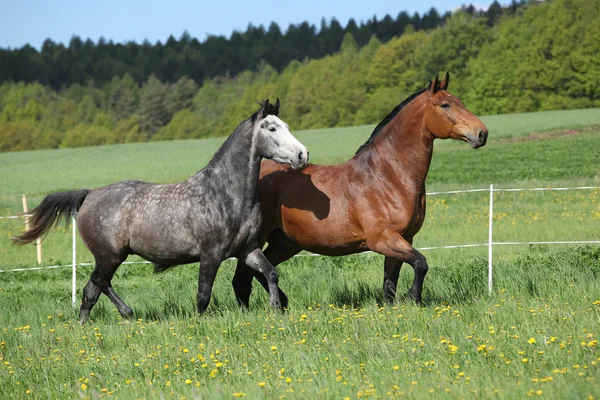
(412, 296)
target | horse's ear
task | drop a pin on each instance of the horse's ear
(445, 82)
(262, 113)
(435, 85)
(277, 104)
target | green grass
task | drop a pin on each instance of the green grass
(44, 171)
(337, 340)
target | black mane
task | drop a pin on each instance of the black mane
(388, 118)
(270, 110)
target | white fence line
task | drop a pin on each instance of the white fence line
(15, 216)
(489, 244)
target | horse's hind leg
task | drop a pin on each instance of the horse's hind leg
(100, 282)
(91, 293)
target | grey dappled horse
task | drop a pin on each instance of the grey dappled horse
(213, 215)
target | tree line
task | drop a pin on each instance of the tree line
(537, 56)
(83, 62)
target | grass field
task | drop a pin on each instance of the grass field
(536, 335)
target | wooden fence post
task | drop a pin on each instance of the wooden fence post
(38, 242)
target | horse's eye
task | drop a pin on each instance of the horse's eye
(271, 129)
(445, 105)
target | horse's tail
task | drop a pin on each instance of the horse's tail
(50, 212)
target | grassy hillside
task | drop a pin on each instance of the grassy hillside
(45, 171)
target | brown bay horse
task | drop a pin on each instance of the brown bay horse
(374, 201)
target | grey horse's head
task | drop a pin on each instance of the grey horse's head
(275, 140)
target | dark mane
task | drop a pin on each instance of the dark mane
(388, 118)
(270, 110)
(244, 126)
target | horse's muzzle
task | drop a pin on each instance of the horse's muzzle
(478, 140)
(301, 159)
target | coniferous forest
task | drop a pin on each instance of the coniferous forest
(528, 56)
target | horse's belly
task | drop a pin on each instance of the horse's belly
(164, 242)
(329, 236)
(165, 251)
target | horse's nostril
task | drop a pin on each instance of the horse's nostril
(481, 135)
(300, 156)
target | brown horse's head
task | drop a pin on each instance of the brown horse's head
(447, 117)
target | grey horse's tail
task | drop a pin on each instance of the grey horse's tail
(50, 212)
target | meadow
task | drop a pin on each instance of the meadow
(535, 335)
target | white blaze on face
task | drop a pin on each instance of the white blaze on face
(277, 142)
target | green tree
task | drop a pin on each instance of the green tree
(153, 111)
(398, 64)
(180, 95)
(122, 98)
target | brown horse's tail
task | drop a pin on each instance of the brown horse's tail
(50, 212)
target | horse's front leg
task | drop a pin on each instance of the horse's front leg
(256, 260)
(391, 272)
(206, 279)
(394, 246)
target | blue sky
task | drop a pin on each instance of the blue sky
(32, 21)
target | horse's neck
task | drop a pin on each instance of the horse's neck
(235, 167)
(402, 150)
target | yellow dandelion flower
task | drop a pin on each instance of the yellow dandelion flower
(396, 368)
(83, 386)
(539, 392)
(531, 341)
(239, 394)
(288, 380)
(525, 360)
(262, 384)
(188, 381)
(274, 348)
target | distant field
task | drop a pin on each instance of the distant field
(536, 335)
(44, 171)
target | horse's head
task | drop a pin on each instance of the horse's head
(275, 140)
(447, 117)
